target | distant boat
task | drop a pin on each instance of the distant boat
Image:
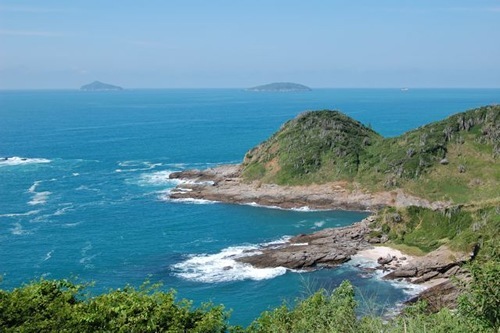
(404, 89)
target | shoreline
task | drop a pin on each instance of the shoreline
(224, 184)
(331, 247)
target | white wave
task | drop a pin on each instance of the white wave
(18, 230)
(15, 160)
(254, 204)
(158, 178)
(63, 210)
(318, 224)
(304, 209)
(33, 187)
(31, 212)
(409, 288)
(48, 255)
(222, 267)
(295, 209)
(192, 201)
(39, 198)
(75, 174)
(133, 166)
(165, 196)
(71, 225)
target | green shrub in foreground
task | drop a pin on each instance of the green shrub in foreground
(57, 306)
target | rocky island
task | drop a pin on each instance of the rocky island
(280, 87)
(433, 191)
(100, 86)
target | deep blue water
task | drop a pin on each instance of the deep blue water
(90, 202)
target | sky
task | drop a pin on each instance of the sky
(60, 44)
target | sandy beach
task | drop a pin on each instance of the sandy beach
(382, 251)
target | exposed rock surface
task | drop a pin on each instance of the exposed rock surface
(441, 263)
(225, 184)
(325, 248)
(443, 294)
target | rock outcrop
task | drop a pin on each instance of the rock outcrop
(441, 263)
(224, 184)
(326, 248)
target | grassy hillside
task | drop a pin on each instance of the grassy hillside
(453, 159)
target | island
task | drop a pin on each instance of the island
(100, 86)
(280, 87)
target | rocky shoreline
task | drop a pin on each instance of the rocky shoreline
(330, 247)
(224, 184)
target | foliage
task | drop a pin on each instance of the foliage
(321, 312)
(481, 305)
(307, 146)
(460, 227)
(58, 306)
(453, 159)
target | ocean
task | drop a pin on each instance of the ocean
(84, 191)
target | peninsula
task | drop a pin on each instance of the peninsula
(280, 87)
(100, 86)
(433, 192)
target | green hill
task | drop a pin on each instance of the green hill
(452, 159)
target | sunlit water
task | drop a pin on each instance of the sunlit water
(84, 192)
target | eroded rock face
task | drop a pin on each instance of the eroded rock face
(444, 294)
(441, 263)
(325, 248)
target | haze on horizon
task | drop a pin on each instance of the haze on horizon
(234, 44)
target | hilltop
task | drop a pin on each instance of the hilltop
(280, 87)
(100, 86)
(453, 159)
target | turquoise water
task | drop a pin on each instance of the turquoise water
(87, 195)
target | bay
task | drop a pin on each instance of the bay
(87, 195)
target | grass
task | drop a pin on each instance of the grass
(454, 159)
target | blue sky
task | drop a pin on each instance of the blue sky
(231, 43)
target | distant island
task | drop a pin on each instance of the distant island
(280, 87)
(100, 86)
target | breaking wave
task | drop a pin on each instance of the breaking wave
(223, 267)
(15, 160)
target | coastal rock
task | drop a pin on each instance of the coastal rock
(442, 295)
(224, 184)
(384, 260)
(439, 263)
(325, 248)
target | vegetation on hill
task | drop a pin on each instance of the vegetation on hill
(463, 228)
(453, 159)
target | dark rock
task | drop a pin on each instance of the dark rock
(440, 296)
(325, 248)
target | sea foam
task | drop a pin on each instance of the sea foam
(222, 267)
(15, 160)
(38, 198)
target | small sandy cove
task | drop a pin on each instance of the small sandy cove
(382, 251)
